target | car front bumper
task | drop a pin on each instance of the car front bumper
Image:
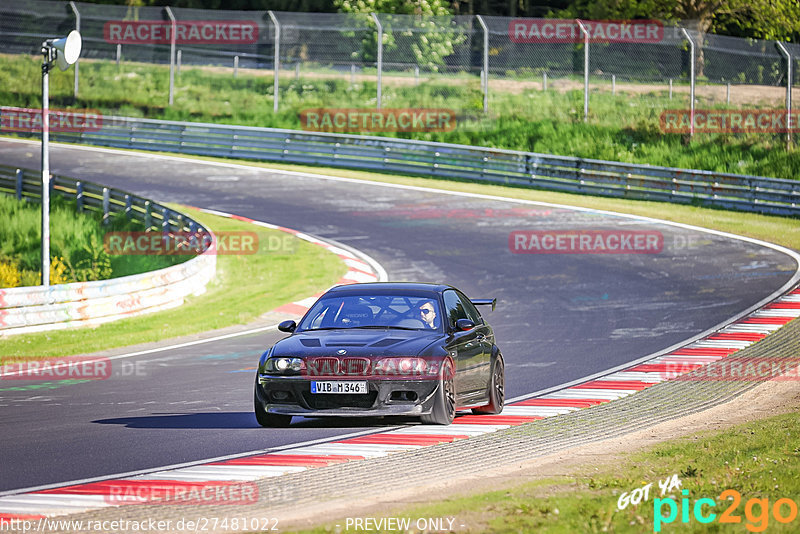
(292, 396)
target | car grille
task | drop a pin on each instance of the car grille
(330, 401)
(323, 366)
(355, 366)
(328, 366)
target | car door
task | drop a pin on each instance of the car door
(485, 336)
(466, 348)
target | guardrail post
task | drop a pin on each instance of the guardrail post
(165, 220)
(79, 195)
(172, 38)
(18, 186)
(106, 204)
(128, 206)
(485, 63)
(691, 81)
(789, 124)
(380, 57)
(78, 29)
(276, 62)
(585, 33)
(148, 217)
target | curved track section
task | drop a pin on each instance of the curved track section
(560, 316)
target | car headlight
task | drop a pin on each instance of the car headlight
(285, 365)
(405, 367)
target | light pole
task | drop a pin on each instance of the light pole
(63, 52)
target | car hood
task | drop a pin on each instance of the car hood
(365, 343)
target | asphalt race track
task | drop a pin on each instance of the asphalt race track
(560, 317)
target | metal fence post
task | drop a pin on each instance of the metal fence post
(235, 66)
(179, 56)
(380, 56)
(79, 196)
(19, 184)
(77, 28)
(148, 217)
(172, 38)
(485, 63)
(585, 33)
(276, 62)
(691, 81)
(128, 206)
(106, 204)
(789, 73)
(119, 53)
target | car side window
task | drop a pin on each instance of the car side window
(472, 312)
(454, 307)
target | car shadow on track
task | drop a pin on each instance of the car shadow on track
(210, 420)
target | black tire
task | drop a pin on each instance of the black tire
(444, 405)
(270, 420)
(497, 393)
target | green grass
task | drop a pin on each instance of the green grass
(245, 287)
(760, 460)
(75, 239)
(621, 128)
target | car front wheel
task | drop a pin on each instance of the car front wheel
(444, 406)
(270, 420)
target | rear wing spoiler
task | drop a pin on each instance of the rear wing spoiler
(484, 302)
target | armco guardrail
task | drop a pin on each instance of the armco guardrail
(39, 308)
(441, 160)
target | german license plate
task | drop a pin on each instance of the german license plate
(320, 386)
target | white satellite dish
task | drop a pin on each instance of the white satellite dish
(68, 49)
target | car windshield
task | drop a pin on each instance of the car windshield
(373, 311)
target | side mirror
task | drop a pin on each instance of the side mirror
(287, 326)
(464, 324)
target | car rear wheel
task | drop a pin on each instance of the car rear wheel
(496, 390)
(270, 420)
(444, 406)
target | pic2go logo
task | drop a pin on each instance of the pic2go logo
(756, 511)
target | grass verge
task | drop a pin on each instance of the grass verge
(624, 127)
(758, 460)
(245, 287)
(76, 244)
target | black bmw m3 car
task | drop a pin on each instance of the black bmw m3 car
(381, 349)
